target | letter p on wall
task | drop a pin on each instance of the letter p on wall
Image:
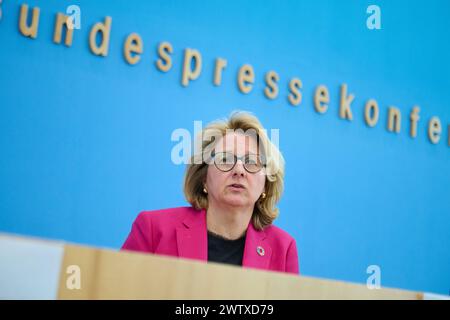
(192, 66)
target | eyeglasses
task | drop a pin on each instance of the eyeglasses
(225, 161)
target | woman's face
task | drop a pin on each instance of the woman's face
(219, 183)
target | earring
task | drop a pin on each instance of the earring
(204, 190)
(263, 195)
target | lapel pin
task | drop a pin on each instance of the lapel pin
(260, 250)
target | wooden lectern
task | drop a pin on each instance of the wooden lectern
(37, 269)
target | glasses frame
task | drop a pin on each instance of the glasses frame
(236, 158)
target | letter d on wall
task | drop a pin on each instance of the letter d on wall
(105, 29)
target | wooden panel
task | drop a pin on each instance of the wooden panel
(108, 274)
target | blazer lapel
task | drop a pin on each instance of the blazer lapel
(257, 252)
(192, 242)
(192, 237)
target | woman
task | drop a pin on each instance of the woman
(233, 185)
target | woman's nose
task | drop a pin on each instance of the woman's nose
(239, 168)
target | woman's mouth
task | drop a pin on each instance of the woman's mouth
(237, 186)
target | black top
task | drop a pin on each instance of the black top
(224, 250)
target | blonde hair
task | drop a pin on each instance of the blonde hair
(264, 212)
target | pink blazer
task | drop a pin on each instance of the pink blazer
(181, 232)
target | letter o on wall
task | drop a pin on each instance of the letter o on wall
(371, 113)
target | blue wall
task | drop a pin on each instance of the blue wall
(86, 141)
